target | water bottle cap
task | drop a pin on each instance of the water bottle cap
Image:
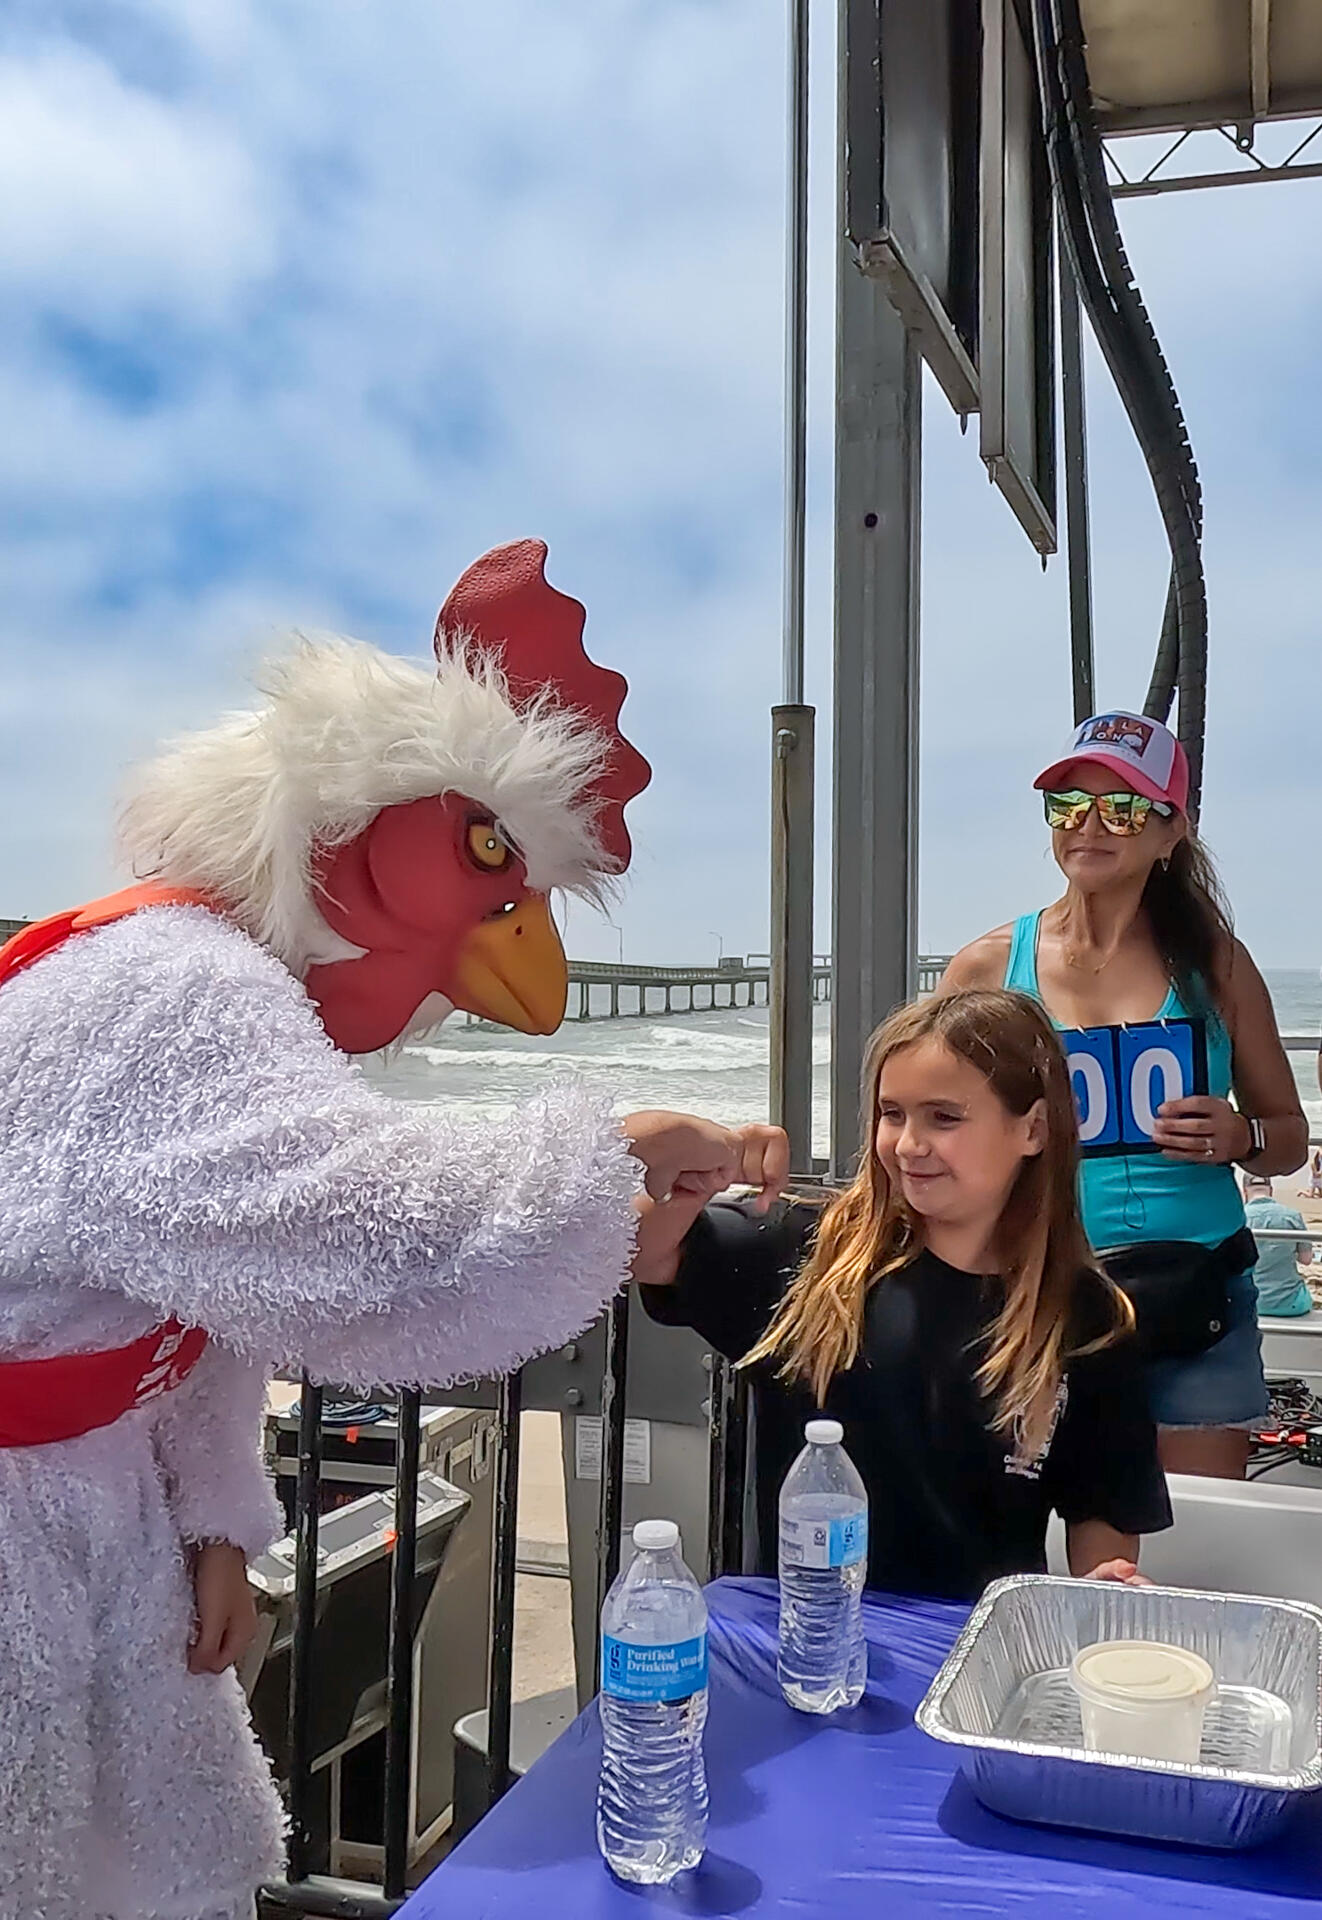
(655, 1536)
(823, 1433)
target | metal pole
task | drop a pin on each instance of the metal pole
(877, 544)
(399, 1669)
(1074, 397)
(610, 1518)
(736, 1473)
(726, 1469)
(306, 1518)
(796, 354)
(500, 1675)
(792, 778)
(718, 1414)
(792, 724)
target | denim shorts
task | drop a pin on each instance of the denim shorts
(1223, 1387)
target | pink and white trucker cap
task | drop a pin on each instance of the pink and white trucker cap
(1147, 755)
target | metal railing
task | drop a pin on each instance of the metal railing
(309, 1892)
(304, 1891)
(1304, 1043)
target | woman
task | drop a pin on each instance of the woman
(944, 1308)
(1137, 964)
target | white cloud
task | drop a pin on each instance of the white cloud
(500, 273)
(112, 196)
(395, 289)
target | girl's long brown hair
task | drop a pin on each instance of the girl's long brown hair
(867, 1231)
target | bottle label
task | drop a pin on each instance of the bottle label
(821, 1544)
(648, 1673)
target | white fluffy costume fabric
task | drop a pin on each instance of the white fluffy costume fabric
(179, 1137)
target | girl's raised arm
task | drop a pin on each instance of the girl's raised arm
(664, 1221)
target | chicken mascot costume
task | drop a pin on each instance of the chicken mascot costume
(198, 1185)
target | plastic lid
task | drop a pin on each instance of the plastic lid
(655, 1536)
(823, 1433)
(1141, 1672)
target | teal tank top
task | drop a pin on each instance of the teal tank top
(1128, 1191)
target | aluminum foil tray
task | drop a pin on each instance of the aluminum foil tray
(1003, 1698)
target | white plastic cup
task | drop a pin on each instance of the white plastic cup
(1142, 1697)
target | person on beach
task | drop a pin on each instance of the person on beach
(198, 1185)
(944, 1307)
(1281, 1287)
(1177, 1067)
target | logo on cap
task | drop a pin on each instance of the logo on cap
(1116, 730)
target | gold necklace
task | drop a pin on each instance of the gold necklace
(1073, 960)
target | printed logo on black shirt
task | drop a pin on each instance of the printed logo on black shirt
(1018, 1460)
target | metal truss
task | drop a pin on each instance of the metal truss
(1302, 162)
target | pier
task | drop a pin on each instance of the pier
(610, 990)
(604, 990)
(607, 990)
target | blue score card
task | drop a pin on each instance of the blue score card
(1121, 1076)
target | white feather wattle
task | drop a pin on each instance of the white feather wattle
(239, 810)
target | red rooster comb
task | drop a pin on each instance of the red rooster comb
(505, 603)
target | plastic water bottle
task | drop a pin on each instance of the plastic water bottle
(823, 1661)
(652, 1798)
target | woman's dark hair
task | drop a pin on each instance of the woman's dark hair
(1190, 920)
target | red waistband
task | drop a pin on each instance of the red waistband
(42, 1401)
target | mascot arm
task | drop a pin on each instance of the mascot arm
(229, 1167)
(207, 1436)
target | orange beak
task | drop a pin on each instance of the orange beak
(513, 970)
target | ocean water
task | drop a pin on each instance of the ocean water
(709, 1063)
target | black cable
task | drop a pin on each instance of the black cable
(1166, 666)
(1124, 330)
(1148, 362)
(1293, 1404)
(1182, 653)
(1129, 345)
(1282, 1458)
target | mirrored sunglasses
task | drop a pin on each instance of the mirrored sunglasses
(1122, 813)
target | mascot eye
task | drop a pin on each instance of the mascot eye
(488, 846)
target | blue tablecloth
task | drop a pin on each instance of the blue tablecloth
(860, 1817)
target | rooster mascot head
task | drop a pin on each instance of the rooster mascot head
(393, 833)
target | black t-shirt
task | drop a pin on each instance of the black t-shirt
(950, 1507)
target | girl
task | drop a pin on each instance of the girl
(944, 1307)
(1141, 940)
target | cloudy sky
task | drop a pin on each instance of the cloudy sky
(304, 306)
